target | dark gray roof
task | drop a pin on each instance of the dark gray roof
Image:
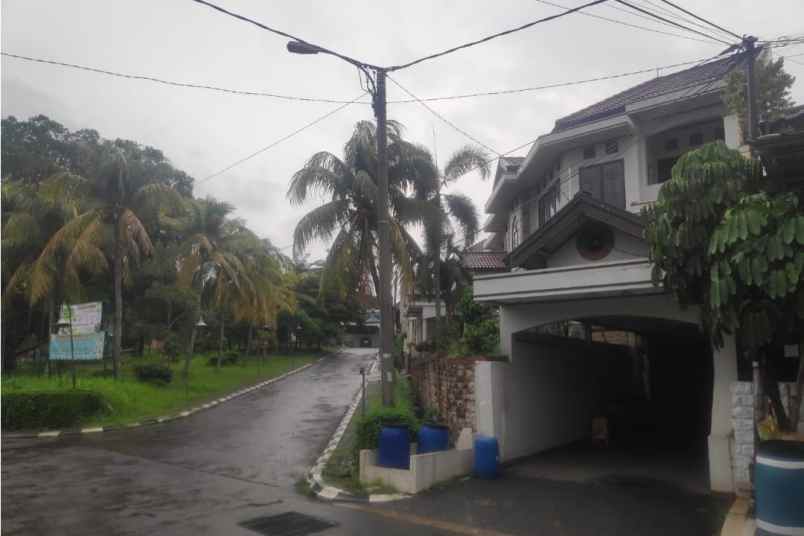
(615, 105)
(504, 162)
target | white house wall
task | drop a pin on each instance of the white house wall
(626, 247)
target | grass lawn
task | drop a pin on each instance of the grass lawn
(130, 400)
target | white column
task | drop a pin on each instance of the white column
(725, 372)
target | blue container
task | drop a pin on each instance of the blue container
(432, 438)
(394, 447)
(779, 483)
(486, 457)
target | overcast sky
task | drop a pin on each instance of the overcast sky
(202, 132)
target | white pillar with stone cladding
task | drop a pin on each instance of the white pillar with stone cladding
(724, 360)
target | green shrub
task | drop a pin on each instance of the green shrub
(156, 373)
(401, 413)
(30, 410)
(229, 358)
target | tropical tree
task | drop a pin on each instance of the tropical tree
(117, 185)
(452, 210)
(723, 240)
(349, 188)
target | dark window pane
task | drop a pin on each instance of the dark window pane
(591, 181)
(671, 144)
(589, 152)
(664, 168)
(614, 184)
(696, 139)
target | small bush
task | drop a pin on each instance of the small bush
(402, 413)
(229, 358)
(154, 373)
(103, 373)
(31, 410)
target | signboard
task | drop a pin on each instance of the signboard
(86, 317)
(86, 346)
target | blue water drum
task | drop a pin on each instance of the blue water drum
(487, 456)
(394, 447)
(779, 482)
(432, 438)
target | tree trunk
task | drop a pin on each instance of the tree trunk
(220, 344)
(117, 269)
(795, 394)
(771, 386)
(189, 355)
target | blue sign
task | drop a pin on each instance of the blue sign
(85, 347)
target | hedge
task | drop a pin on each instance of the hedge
(31, 410)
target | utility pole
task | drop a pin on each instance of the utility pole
(751, 89)
(380, 104)
(384, 236)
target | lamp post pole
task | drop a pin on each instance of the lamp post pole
(380, 105)
(72, 344)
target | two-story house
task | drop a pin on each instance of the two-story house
(567, 217)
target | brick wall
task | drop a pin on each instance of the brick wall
(742, 420)
(447, 386)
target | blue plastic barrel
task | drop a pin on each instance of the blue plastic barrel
(394, 447)
(432, 438)
(486, 457)
(779, 483)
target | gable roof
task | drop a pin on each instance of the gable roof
(712, 71)
(567, 221)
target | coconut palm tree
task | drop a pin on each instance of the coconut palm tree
(349, 187)
(452, 210)
(117, 188)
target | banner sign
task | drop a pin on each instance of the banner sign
(86, 346)
(86, 317)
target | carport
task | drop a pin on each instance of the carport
(645, 383)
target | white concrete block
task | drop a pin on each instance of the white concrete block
(744, 412)
(465, 439)
(742, 388)
(742, 424)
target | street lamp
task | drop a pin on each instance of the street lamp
(377, 89)
(61, 324)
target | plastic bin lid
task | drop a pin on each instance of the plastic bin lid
(782, 450)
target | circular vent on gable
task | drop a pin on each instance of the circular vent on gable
(595, 241)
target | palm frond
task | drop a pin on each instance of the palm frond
(319, 223)
(133, 235)
(463, 211)
(323, 174)
(467, 159)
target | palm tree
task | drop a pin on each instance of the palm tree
(452, 209)
(349, 187)
(108, 200)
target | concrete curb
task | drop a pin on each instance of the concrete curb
(158, 420)
(315, 480)
(737, 522)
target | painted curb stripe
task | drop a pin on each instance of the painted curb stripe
(780, 464)
(94, 430)
(55, 433)
(779, 529)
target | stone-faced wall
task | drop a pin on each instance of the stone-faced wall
(447, 386)
(742, 420)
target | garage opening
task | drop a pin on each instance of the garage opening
(622, 397)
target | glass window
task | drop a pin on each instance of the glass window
(589, 152)
(696, 139)
(664, 168)
(605, 182)
(548, 204)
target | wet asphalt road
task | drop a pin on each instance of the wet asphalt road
(199, 475)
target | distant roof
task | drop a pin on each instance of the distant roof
(504, 163)
(485, 261)
(615, 105)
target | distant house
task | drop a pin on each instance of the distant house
(586, 332)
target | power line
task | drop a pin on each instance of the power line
(547, 86)
(653, 4)
(173, 83)
(710, 23)
(251, 93)
(281, 33)
(441, 117)
(282, 139)
(631, 25)
(659, 17)
(490, 37)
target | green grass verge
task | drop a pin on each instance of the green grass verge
(341, 470)
(128, 400)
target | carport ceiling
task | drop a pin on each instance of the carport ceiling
(646, 325)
